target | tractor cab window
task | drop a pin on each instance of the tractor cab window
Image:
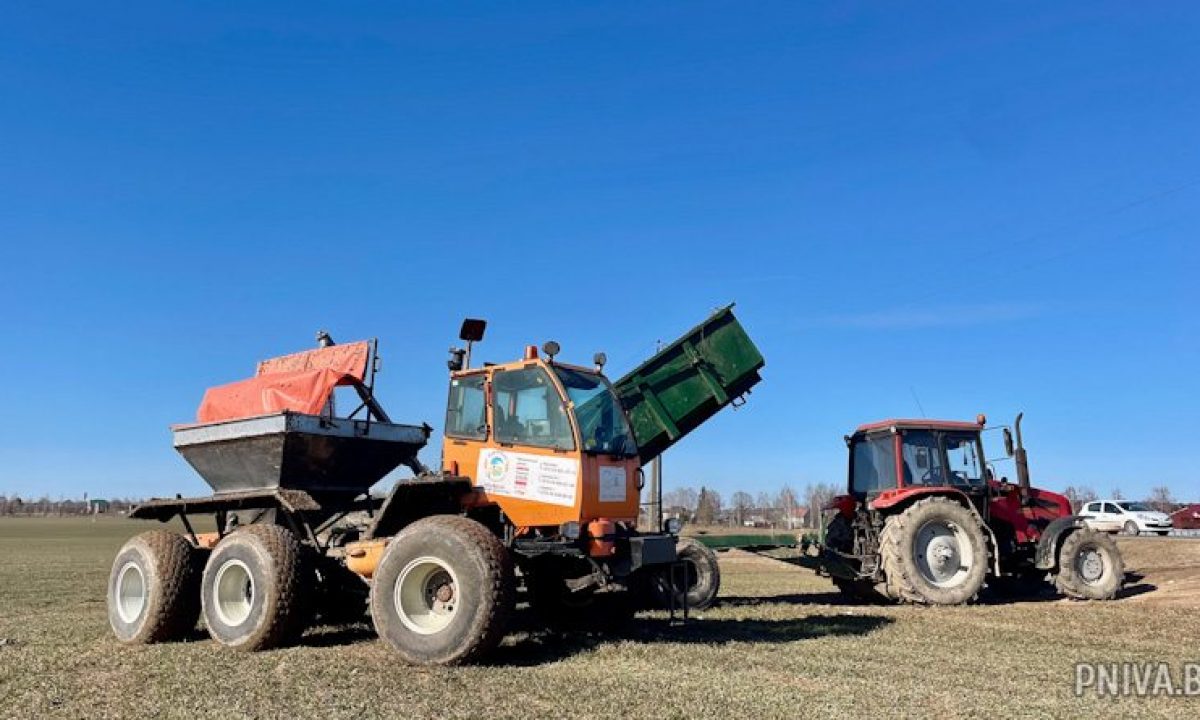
(922, 459)
(873, 465)
(598, 413)
(527, 410)
(963, 458)
(465, 409)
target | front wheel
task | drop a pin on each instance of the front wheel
(1130, 528)
(443, 592)
(1089, 566)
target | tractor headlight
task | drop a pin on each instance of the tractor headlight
(673, 525)
(569, 530)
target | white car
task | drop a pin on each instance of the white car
(1131, 518)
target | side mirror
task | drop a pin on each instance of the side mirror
(472, 330)
(1008, 442)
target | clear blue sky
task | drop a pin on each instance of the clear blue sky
(986, 208)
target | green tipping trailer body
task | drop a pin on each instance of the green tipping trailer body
(713, 365)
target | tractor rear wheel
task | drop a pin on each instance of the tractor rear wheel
(154, 589)
(934, 553)
(252, 594)
(443, 592)
(701, 578)
(1089, 566)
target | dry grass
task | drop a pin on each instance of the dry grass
(781, 644)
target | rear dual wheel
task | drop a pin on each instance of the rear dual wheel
(153, 589)
(251, 592)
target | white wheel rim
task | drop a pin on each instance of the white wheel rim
(1089, 565)
(941, 551)
(426, 595)
(233, 593)
(131, 592)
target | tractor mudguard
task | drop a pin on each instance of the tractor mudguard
(1047, 549)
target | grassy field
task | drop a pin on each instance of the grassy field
(780, 644)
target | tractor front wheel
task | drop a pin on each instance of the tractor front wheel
(443, 592)
(934, 553)
(1089, 566)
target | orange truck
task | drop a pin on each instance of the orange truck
(538, 492)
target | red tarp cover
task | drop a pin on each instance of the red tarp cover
(300, 383)
(350, 359)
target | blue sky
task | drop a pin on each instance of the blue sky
(949, 206)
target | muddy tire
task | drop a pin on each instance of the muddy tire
(252, 592)
(154, 589)
(1090, 566)
(701, 578)
(934, 553)
(443, 592)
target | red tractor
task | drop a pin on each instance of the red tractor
(926, 521)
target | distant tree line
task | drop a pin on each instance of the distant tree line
(1160, 498)
(44, 506)
(782, 509)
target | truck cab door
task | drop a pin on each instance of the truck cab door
(467, 428)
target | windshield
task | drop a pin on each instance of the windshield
(1134, 506)
(923, 463)
(602, 425)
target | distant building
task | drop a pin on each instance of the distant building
(1187, 517)
(96, 506)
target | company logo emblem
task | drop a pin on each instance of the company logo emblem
(497, 467)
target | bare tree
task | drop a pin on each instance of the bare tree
(742, 502)
(1116, 494)
(787, 504)
(817, 496)
(1079, 496)
(1161, 499)
(682, 497)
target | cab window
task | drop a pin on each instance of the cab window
(922, 459)
(465, 410)
(527, 410)
(874, 465)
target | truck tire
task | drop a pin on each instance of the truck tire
(934, 553)
(154, 589)
(1090, 566)
(251, 593)
(443, 592)
(702, 577)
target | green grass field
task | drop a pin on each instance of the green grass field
(780, 644)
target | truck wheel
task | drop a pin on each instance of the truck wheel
(252, 594)
(1089, 566)
(934, 553)
(701, 577)
(1131, 528)
(443, 592)
(154, 589)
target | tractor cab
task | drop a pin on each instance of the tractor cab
(547, 442)
(904, 456)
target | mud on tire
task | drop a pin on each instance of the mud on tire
(251, 593)
(1090, 566)
(934, 553)
(443, 592)
(154, 589)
